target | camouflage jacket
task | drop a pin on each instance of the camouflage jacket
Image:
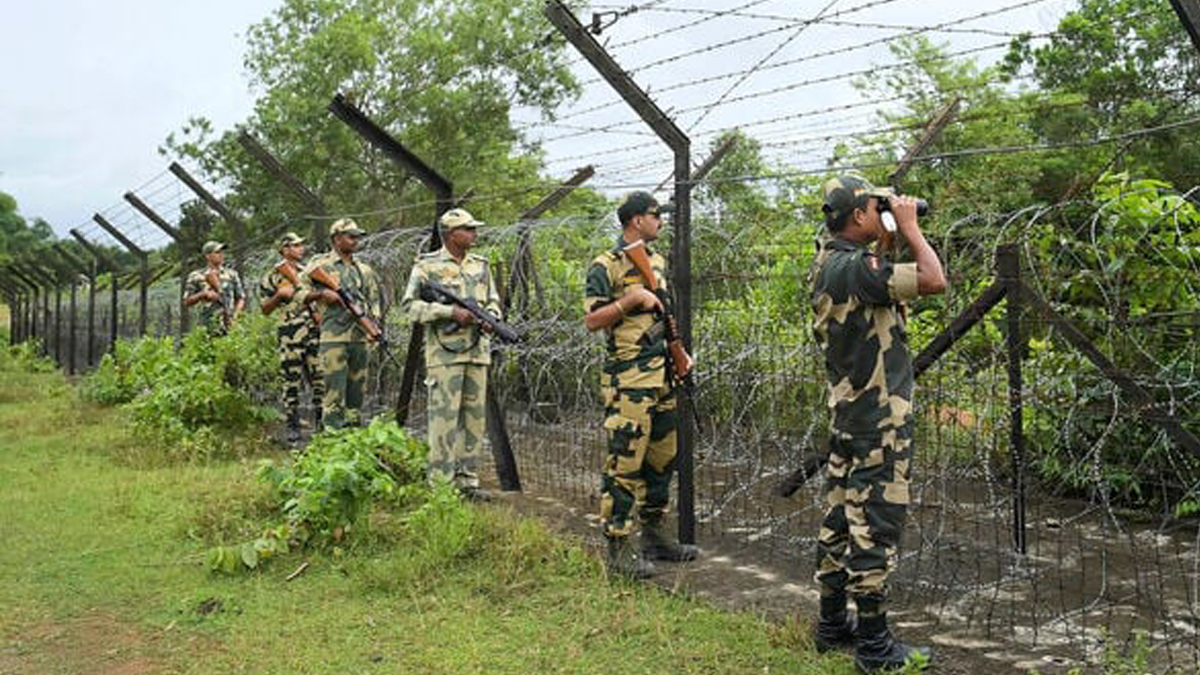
(288, 312)
(357, 278)
(857, 320)
(209, 313)
(446, 343)
(636, 343)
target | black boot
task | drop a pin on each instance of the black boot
(656, 545)
(624, 561)
(836, 626)
(293, 428)
(876, 651)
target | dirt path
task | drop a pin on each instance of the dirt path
(728, 576)
(96, 642)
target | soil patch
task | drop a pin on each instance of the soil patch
(96, 642)
(730, 576)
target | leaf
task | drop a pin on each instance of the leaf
(249, 556)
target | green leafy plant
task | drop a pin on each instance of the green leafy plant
(192, 401)
(328, 487)
(325, 491)
(25, 358)
(129, 369)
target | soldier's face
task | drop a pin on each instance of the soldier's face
(346, 243)
(462, 238)
(647, 225)
(215, 259)
(868, 219)
(293, 251)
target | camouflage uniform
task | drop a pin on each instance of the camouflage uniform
(343, 345)
(210, 315)
(456, 363)
(639, 403)
(299, 343)
(858, 320)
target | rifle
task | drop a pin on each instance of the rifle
(678, 360)
(810, 464)
(214, 281)
(288, 272)
(432, 291)
(370, 326)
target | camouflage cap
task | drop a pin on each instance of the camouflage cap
(639, 202)
(846, 193)
(458, 218)
(212, 247)
(289, 239)
(346, 226)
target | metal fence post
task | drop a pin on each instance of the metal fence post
(1008, 268)
(443, 192)
(681, 263)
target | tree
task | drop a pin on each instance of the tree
(989, 116)
(443, 77)
(17, 235)
(1130, 65)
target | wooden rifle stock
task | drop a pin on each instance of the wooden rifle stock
(369, 326)
(214, 281)
(679, 357)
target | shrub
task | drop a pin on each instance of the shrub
(130, 368)
(328, 487)
(25, 358)
(192, 401)
(323, 494)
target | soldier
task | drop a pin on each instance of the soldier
(299, 331)
(222, 304)
(457, 353)
(858, 319)
(343, 345)
(639, 402)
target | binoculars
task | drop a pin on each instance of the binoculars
(886, 207)
(885, 212)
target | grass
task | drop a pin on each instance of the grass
(101, 571)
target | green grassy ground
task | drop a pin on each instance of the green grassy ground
(100, 571)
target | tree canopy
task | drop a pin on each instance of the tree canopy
(444, 78)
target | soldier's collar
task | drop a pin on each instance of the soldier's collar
(839, 244)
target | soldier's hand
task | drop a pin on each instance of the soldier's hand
(209, 295)
(462, 317)
(905, 210)
(689, 364)
(642, 298)
(286, 292)
(330, 297)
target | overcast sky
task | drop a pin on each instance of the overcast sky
(91, 89)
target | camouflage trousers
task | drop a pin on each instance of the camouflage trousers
(214, 325)
(457, 397)
(866, 503)
(640, 425)
(345, 367)
(299, 360)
